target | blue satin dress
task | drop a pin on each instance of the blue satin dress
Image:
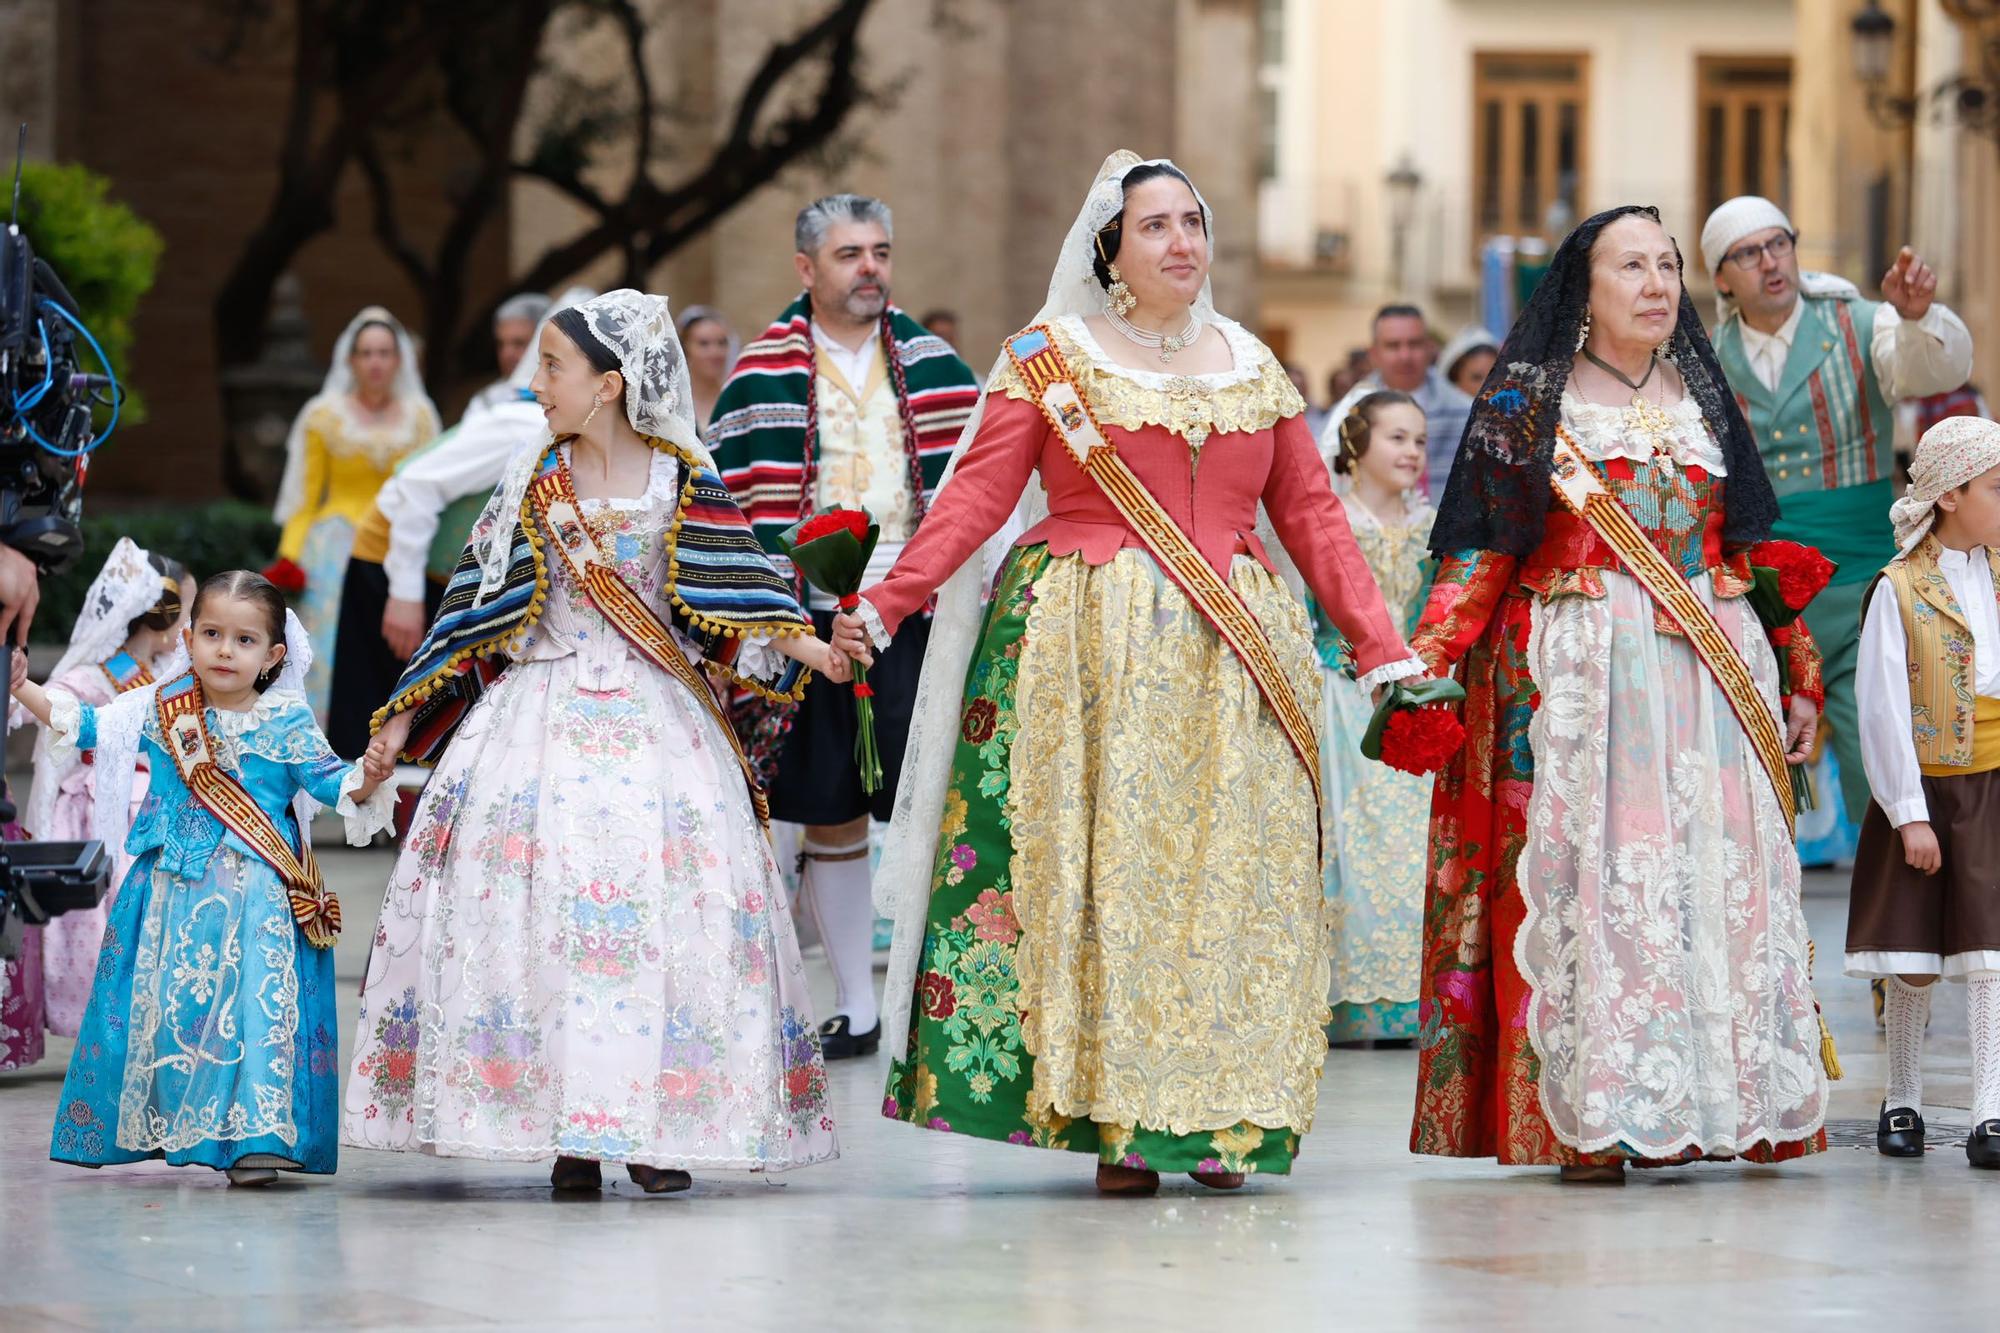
(210, 1035)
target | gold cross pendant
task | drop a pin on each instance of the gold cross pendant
(1651, 422)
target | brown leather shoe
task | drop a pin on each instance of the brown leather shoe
(1612, 1173)
(658, 1180)
(1218, 1180)
(576, 1173)
(1129, 1181)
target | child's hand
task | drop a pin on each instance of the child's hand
(17, 671)
(1920, 847)
(377, 765)
(836, 666)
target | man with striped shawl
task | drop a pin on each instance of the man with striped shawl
(844, 400)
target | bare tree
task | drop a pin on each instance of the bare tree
(368, 72)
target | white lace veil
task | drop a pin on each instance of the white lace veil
(408, 390)
(120, 722)
(903, 880)
(638, 329)
(127, 587)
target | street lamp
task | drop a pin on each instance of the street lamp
(1973, 101)
(1403, 181)
(1874, 44)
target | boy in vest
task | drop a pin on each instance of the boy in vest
(1926, 896)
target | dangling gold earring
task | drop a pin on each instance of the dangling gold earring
(1118, 298)
(596, 401)
(1583, 331)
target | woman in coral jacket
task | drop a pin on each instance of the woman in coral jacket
(1105, 866)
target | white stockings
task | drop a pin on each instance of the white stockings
(1905, 1012)
(836, 889)
(1983, 1021)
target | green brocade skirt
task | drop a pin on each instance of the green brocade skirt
(967, 1068)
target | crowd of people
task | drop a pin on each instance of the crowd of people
(1134, 611)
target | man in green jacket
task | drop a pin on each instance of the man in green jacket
(1818, 371)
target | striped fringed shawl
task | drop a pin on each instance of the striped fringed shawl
(761, 432)
(720, 590)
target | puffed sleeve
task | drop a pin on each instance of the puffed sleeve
(1882, 701)
(982, 492)
(332, 781)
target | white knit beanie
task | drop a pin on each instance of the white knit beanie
(1742, 216)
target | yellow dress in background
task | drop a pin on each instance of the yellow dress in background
(346, 461)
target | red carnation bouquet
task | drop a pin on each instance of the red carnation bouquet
(1785, 577)
(1414, 728)
(831, 549)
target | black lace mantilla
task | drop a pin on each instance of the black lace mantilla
(1498, 496)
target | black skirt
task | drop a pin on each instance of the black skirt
(365, 672)
(816, 781)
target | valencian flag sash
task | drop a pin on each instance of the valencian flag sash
(1047, 374)
(1584, 494)
(183, 723)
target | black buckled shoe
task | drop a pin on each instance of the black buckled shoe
(1900, 1133)
(837, 1043)
(1982, 1146)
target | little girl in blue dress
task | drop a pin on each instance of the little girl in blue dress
(209, 1037)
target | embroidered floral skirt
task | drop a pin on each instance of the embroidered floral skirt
(209, 1039)
(1615, 955)
(328, 545)
(1377, 821)
(1125, 953)
(586, 949)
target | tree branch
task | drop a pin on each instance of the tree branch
(387, 229)
(740, 164)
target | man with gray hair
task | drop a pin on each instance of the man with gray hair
(844, 401)
(514, 325)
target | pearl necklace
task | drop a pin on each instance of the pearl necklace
(1166, 343)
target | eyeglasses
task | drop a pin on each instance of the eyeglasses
(1749, 257)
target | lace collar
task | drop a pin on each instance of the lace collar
(1605, 431)
(1253, 395)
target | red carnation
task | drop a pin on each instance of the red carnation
(1421, 740)
(286, 576)
(1802, 571)
(853, 521)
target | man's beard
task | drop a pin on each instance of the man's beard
(866, 302)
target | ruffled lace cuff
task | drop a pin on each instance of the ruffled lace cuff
(365, 818)
(758, 660)
(1391, 671)
(871, 620)
(65, 724)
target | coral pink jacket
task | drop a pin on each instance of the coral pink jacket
(1215, 502)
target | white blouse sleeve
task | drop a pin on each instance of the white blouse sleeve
(1918, 357)
(1882, 698)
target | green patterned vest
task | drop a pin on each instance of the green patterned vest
(1827, 435)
